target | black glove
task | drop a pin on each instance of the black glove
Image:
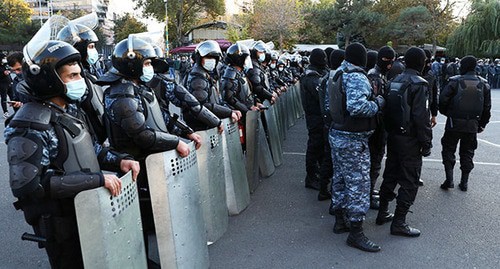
(425, 151)
(480, 129)
(380, 101)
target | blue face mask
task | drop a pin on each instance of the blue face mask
(147, 73)
(76, 89)
(92, 56)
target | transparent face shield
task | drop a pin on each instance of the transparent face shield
(208, 47)
(37, 44)
(156, 39)
(79, 28)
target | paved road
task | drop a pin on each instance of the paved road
(286, 227)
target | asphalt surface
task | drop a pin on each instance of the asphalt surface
(286, 227)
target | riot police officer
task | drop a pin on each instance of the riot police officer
(314, 120)
(84, 40)
(407, 122)
(466, 101)
(353, 109)
(378, 79)
(204, 87)
(257, 75)
(50, 138)
(134, 118)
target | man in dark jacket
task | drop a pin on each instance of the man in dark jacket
(314, 119)
(407, 122)
(466, 101)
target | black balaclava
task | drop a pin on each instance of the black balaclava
(355, 53)
(467, 64)
(415, 59)
(388, 54)
(336, 58)
(371, 59)
(318, 58)
(328, 52)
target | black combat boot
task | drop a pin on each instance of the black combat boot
(463, 181)
(331, 210)
(399, 226)
(324, 192)
(312, 182)
(448, 183)
(357, 238)
(383, 215)
(374, 201)
(341, 224)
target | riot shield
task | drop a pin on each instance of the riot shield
(273, 134)
(252, 146)
(280, 105)
(212, 184)
(266, 164)
(290, 109)
(175, 198)
(237, 192)
(298, 103)
(110, 227)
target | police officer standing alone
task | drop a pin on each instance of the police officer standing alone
(466, 101)
(409, 138)
(309, 85)
(353, 109)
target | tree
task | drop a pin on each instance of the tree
(182, 14)
(351, 18)
(277, 20)
(15, 22)
(479, 34)
(314, 30)
(126, 25)
(412, 26)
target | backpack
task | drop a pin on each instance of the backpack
(469, 99)
(397, 110)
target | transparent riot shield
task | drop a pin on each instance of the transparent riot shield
(212, 184)
(175, 199)
(273, 135)
(252, 147)
(266, 164)
(237, 192)
(110, 227)
(299, 110)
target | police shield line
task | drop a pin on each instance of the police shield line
(169, 184)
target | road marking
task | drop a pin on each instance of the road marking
(424, 159)
(488, 142)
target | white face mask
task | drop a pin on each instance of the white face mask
(4, 61)
(76, 89)
(209, 64)
(262, 57)
(281, 69)
(92, 56)
(273, 66)
(147, 73)
(248, 64)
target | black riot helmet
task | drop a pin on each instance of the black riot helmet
(207, 48)
(129, 55)
(258, 46)
(40, 68)
(237, 55)
(78, 35)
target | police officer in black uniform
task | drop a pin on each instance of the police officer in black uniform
(257, 75)
(466, 101)
(378, 79)
(51, 152)
(407, 122)
(309, 85)
(204, 87)
(133, 116)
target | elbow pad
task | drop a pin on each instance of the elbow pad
(164, 142)
(67, 186)
(24, 156)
